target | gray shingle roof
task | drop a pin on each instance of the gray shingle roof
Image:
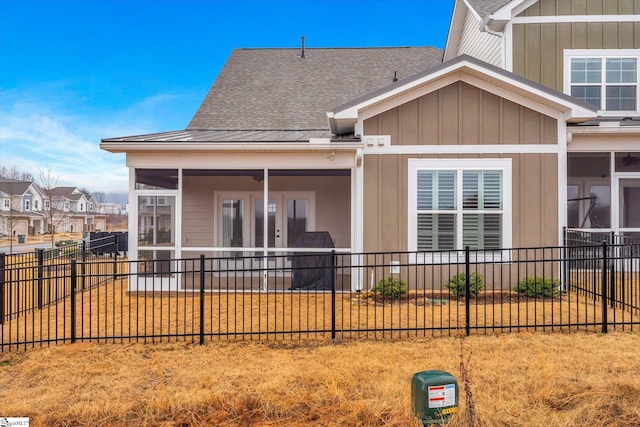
(276, 89)
(486, 7)
(14, 187)
(481, 64)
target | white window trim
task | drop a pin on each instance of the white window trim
(602, 53)
(505, 165)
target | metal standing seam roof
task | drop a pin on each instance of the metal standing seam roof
(223, 136)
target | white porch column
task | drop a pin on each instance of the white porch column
(265, 226)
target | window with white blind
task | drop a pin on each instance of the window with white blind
(459, 203)
(607, 79)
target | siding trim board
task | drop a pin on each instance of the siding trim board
(574, 18)
(465, 149)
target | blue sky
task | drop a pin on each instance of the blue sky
(75, 71)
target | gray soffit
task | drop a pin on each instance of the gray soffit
(274, 89)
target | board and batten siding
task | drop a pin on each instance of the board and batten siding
(479, 44)
(332, 201)
(465, 115)
(538, 48)
(582, 7)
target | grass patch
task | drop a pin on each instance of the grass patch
(518, 380)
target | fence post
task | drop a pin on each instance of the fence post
(612, 274)
(563, 268)
(604, 286)
(333, 294)
(467, 290)
(73, 299)
(40, 259)
(82, 266)
(2, 297)
(115, 257)
(201, 299)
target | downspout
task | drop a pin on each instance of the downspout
(503, 48)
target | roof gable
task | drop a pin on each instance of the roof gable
(540, 98)
(276, 89)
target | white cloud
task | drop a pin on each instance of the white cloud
(34, 137)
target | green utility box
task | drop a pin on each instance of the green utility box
(21, 238)
(434, 396)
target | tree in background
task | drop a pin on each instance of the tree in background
(15, 174)
(48, 183)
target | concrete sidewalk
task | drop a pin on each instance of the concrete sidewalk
(32, 242)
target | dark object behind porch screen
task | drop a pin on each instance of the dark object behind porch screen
(312, 270)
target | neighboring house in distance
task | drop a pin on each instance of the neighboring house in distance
(76, 211)
(531, 124)
(21, 208)
(113, 208)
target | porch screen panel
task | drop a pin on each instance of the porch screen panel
(259, 223)
(232, 225)
(156, 220)
(297, 220)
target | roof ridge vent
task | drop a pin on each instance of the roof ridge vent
(302, 55)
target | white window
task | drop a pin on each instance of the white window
(458, 203)
(607, 79)
(67, 205)
(81, 207)
(35, 205)
(27, 205)
(90, 206)
(47, 204)
(6, 203)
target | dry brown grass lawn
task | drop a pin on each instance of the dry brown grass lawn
(579, 379)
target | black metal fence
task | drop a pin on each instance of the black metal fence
(33, 280)
(577, 286)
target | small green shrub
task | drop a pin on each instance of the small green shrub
(391, 288)
(456, 284)
(538, 287)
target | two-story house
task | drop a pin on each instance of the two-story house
(526, 123)
(589, 50)
(21, 208)
(76, 211)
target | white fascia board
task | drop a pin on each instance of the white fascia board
(488, 80)
(455, 30)
(605, 130)
(501, 17)
(353, 111)
(511, 9)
